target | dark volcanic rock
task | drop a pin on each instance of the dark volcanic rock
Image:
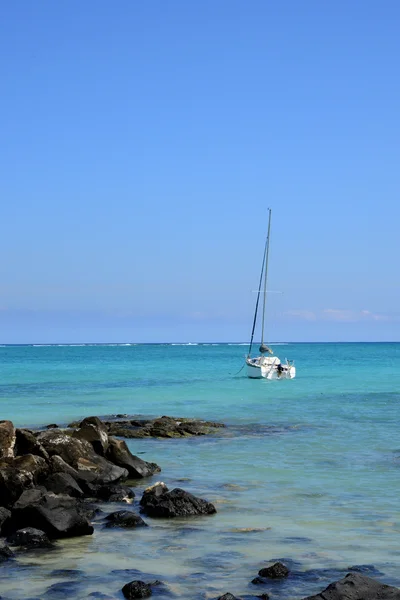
(119, 453)
(74, 424)
(127, 428)
(29, 497)
(136, 589)
(155, 490)
(114, 493)
(164, 427)
(95, 432)
(31, 464)
(12, 484)
(357, 587)
(68, 573)
(4, 515)
(125, 432)
(63, 590)
(257, 581)
(18, 474)
(88, 510)
(26, 443)
(58, 465)
(275, 571)
(61, 443)
(29, 537)
(57, 516)
(228, 596)
(5, 553)
(86, 480)
(176, 503)
(7, 439)
(80, 455)
(106, 471)
(63, 483)
(170, 427)
(139, 422)
(124, 518)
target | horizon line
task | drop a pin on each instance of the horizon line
(4, 344)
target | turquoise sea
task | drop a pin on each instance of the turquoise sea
(307, 471)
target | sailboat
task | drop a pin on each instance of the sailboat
(266, 364)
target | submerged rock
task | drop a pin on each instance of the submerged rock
(258, 581)
(167, 427)
(29, 537)
(136, 589)
(124, 518)
(63, 589)
(157, 501)
(113, 493)
(163, 427)
(357, 587)
(276, 571)
(89, 510)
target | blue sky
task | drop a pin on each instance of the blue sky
(142, 143)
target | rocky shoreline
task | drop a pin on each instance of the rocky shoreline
(160, 427)
(53, 480)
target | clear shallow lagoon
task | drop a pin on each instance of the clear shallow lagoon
(307, 470)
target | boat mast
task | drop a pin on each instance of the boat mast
(265, 278)
(265, 256)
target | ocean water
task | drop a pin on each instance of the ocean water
(307, 471)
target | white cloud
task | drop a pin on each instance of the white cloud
(374, 316)
(306, 315)
(334, 314)
(338, 314)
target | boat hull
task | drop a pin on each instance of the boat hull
(269, 368)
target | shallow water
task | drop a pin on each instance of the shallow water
(307, 470)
